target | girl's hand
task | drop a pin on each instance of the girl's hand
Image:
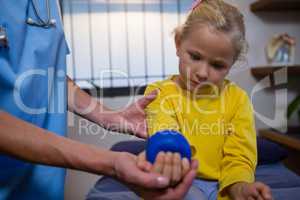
(250, 191)
(167, 164)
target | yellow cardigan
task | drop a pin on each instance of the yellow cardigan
(220, 129)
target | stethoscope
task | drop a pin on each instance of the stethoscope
(48, 23)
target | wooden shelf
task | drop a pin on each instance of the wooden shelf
(291, 141)
(263, 71)
(275, 5)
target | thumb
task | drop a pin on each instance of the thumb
(146, 100)
(194, 165)
(150, 180)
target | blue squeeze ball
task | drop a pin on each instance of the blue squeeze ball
(167, 141)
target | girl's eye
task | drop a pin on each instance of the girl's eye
(194, 56)
(218, 66)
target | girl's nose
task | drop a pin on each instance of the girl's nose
(202, 72)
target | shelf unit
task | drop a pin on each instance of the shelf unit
(275, 5)
(288, 140)
(263, 71)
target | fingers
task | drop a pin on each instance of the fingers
(142, 131)
(142, 163)
(159, 163)
(142, 156)
(150, 180)
(171, 166)
(144, 101)
(259, 198)
(168, 165)
(185, 166)
(176, 193)
(182, 188)
(256, 196)
(252, 191)
(194, 165)
(258, 191)
(134, 175)
(264, 190)
(176, 171)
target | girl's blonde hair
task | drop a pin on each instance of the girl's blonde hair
(220, 16)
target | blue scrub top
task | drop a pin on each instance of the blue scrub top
(32, 88)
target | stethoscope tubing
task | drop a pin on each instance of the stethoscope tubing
(41, 22)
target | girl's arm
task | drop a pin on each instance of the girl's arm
(240, 157)
(240, 153)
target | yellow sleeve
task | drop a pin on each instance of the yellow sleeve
(240, 153)
(160, 114)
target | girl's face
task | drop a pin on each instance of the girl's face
(205, 57)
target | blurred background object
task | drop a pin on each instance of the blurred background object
(281, 49)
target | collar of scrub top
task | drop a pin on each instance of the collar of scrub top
(48, 23)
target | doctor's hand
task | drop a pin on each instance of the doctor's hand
(173, 192)
(127, 171)
(167, 164)
(133, 118)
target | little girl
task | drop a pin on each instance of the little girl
(214, 114)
